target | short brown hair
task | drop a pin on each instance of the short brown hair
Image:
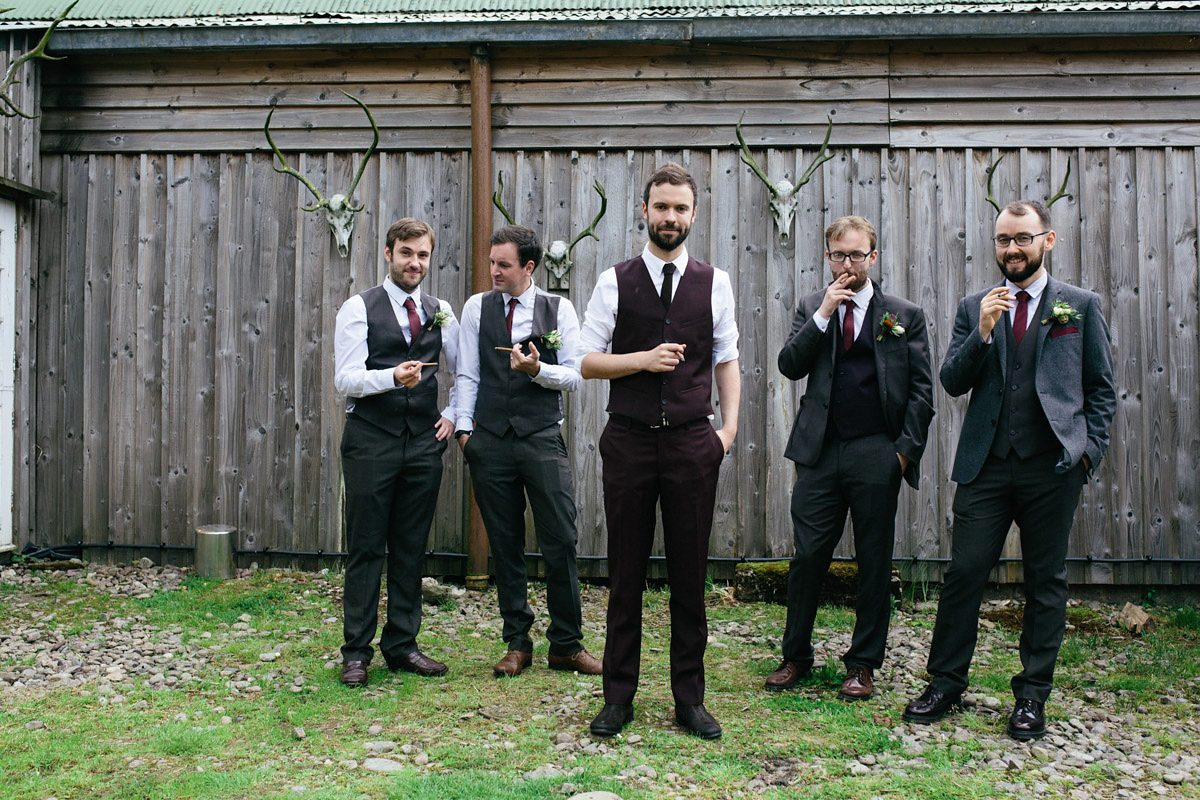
(673, 174)
(409, 228)
(528, 246)
(843, 225)
(1022, 207)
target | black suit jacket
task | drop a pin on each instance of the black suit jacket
(902, 365)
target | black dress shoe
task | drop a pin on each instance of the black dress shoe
(418, 663)
(611, 719)
(1027, 720)
(696, 720)
(354, 673)
(931, 706)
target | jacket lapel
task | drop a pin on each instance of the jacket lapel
(873, 321)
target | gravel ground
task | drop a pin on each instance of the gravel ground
(118, 654)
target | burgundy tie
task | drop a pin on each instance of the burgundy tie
(414, 322)
(1021, 318)
(848, 325)
(665, 293)
(512, 306)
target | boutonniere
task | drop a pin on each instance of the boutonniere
(553, 339)
(889, 325)
(1062, 313)
(441, 318)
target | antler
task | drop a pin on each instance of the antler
(9, 108)
(1062, 190)
(497, 202)
(991, 172)
(749, 161)
(286, 169)
(823, 155)
(591, 229)
(362, 165)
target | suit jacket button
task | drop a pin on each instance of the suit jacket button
(664, 402)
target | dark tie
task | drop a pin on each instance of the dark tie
(414, 322)
(848, 325)
(512, 306)
(665, 294)
(1021, 318)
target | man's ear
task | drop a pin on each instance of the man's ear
(1051, 237)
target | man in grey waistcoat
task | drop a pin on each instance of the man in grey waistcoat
(518, 352)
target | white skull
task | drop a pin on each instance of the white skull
(558, 260)
(340, 216)
(783, 207)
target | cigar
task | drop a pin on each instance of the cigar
(428, 363)
(505, 349)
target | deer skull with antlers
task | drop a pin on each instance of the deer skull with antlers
(558, 254)
(7, 107)
(784, 196)
(991, 197)
(339, 211)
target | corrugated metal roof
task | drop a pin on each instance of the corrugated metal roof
(163, 13)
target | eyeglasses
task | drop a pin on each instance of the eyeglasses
(857, 258)
(1022, 239)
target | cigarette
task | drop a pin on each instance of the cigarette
(505, 349)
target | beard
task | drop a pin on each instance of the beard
(669, 239)
(1017, 273)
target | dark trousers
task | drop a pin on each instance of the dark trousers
(392, 486)
(1042, 503)
(861, 476)
(675, 468)
(504, 469)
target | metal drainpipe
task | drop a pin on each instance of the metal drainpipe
(481, 281)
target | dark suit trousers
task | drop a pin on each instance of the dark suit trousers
(863, 476)
(1042, 503)
(675, 468)
(392, 486)
(504, 469)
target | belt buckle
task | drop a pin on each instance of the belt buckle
(665, 424)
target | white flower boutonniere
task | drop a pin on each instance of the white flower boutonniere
(553, 339)
(441, 318)
(889, 325)
(1062, 313)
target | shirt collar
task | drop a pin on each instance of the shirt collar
(398, 295)
(862, 298)
(1035, 289)
(655, 264)
(525, 298)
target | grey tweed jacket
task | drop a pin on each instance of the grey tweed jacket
(1074, 379)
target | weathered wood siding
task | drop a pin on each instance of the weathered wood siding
(196, 384)
(20, 161)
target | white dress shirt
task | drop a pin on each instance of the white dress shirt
(601, 317)
(860, 301)
(351, 376)
(563, 376)
(1035, 290)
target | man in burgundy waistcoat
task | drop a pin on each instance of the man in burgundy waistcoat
(660, 328)
(387, 344)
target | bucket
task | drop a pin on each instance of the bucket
(214, 551)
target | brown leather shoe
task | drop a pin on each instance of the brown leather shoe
(418, 663)
(354, 673)
(786, 676)
(859, 683)
(513, 664)
(582, 662)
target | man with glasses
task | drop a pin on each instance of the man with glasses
(860, 428)
(1034, 354)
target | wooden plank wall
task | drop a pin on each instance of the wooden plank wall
(196, 384)
(20, 161)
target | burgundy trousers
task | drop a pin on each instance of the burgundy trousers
(675, 468)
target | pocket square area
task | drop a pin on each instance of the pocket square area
(1064, 331)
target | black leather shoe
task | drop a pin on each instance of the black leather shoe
(696, 720)
(611, 719)
(354, 673)
(931, 706)
(418, 663)
(1027, 720)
